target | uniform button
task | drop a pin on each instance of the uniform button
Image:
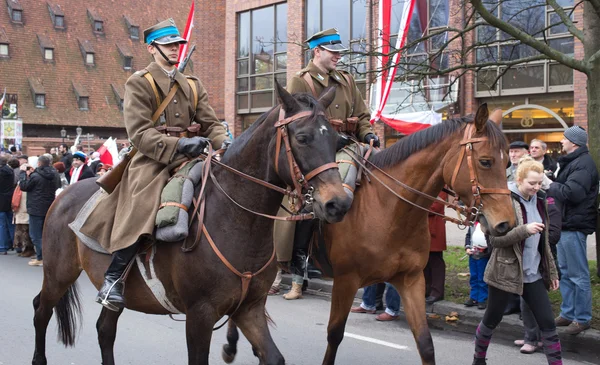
(160, 144)
(337, 106)
(174, 101)
(177, 115)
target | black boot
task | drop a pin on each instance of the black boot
(111, 294)
(302, 236)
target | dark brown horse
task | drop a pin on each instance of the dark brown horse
(385, 239)
(198, 283)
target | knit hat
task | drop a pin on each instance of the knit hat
(577, 135)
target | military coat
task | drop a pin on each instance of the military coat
(348, 100)
(120, 218)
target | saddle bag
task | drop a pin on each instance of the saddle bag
(176, 198)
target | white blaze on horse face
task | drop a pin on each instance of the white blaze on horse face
(501, 155)
(323, 129)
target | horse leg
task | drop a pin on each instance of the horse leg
(107, 332)
(412, 290)
(230, 349)
(59, 292)
(342, 296)
(252, 320)
(200, 320)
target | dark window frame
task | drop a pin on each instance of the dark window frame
(7, 55)
(13, 13)
(44, 50)
(85, 60)
(83, 100)
(41, 105)
(125, 66)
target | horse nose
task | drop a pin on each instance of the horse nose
(502, 228)
(336, 208)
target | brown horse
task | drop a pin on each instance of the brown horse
(385, 239)
(198, 283)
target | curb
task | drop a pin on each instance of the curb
(511, 327)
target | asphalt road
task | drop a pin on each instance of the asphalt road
(300, 333)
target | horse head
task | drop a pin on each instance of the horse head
(312, 141)
(478, 175)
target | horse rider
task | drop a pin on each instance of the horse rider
(135, 201)
(348, 113)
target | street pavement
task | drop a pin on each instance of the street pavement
(300, 333)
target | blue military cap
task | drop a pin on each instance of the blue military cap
(329, 39)
(165, 32)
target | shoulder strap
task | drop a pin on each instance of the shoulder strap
(162, 105)
(194, 91)
(310, 83)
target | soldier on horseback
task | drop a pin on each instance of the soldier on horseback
(348, 113)
(160, 107)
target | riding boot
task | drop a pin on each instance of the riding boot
(303, 235)
(111, 294)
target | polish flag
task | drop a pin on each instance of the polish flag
(2, 101)
(187, 34)
(109, 153)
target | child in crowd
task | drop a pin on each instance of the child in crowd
(479, 254)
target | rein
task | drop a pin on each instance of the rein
(300, 181)
(477, 189)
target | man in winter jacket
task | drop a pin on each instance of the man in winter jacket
(575, 191)
(40, 184)
(7, 187)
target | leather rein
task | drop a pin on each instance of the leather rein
(471, 213)
(295, 195)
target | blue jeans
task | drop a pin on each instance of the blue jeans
(7, 231)
(575, 286)
(479, 289)
(36, 225)
(392, 299)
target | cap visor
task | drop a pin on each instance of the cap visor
(334, 47)
(170, 39)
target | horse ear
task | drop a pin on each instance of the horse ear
(481, 117)
(288, 103)
(327, 97)
(496, 116)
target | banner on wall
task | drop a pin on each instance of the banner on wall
(11, 131)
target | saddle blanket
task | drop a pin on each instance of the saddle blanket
(148, 273)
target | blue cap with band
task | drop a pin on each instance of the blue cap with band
(328, 39)
(165, 32)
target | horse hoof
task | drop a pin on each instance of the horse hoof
(227, 356)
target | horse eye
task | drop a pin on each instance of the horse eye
(485, 163)
(303, 139)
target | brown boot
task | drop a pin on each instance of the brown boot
(294, 293)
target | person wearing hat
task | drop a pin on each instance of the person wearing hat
(137, 197)
(79, 169)
(575, 191)
(516, 150)
(348, 113)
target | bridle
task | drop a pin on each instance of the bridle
(300, 181)
(471, 213)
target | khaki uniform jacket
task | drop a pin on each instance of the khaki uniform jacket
(348, 100)
(505, 268)
(120, 218)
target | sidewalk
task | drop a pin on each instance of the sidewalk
(511, 328)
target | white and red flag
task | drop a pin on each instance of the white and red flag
(187, 34)
(109, 153)
(2, 102)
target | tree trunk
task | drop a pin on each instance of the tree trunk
(591, 45)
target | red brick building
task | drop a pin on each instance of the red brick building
(66, 62)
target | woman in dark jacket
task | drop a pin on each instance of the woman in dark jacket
(522, 263)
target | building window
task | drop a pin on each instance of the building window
(261, 57)
(48, 54)
(40, 100)
(59, 21)
(127, 61)
(97, 22)
(16, 16)
(351, 22)
(3, 50)
(57, 15)
(134, 32)
(98, 27)
(538, 20)
(82, 101)
(89, 59)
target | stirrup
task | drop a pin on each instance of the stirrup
(104, 299)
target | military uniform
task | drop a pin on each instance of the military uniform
(125, 217)
(348, 101)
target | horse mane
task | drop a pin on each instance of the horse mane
(415, 142)
(304, 99)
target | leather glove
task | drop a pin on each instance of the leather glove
(342, 141)
(192, 147)
(373, 137)
(226, 144)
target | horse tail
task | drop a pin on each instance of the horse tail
(68, 310)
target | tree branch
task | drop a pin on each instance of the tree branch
(529, 40)
(566, 19)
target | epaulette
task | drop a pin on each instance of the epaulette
(141, 72)
(192, 77)
(301, 72)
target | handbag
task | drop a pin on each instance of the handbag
(16, 199)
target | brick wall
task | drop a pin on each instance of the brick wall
(579, 78)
